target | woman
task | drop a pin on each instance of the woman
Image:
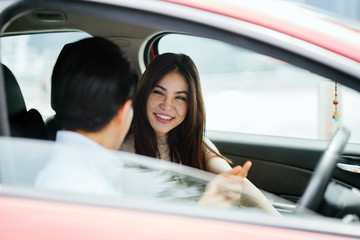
(169, 116)
(169, 124)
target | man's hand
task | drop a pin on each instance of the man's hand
(225, 189)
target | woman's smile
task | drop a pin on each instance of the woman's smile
(163, 118)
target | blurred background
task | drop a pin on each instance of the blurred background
(346, 8)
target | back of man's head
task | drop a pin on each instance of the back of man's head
(91, 80)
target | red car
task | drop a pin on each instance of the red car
(278, 78)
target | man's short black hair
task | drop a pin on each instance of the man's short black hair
(91, 80)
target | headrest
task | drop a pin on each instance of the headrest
(14, 98)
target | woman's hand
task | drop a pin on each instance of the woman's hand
(225, 189)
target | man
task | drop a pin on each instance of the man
(93, 84)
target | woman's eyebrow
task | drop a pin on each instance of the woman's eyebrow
(179, 92)
(182, 92)
(161, 87)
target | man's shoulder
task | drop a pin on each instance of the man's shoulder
(72, 175)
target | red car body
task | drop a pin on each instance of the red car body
(35, 217)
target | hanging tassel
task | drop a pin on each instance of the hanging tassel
(336, 114)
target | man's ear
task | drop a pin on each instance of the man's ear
(124, 111)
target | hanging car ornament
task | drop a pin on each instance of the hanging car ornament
(336, 114)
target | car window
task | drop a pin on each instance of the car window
(252, 93)
(49, 169)
(25, 164)
(31, 59)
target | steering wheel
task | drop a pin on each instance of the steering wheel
(315, 190)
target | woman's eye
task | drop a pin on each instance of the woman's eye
(181, 98)
(157, 92)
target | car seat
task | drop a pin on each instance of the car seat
(51, 127)
(23, 123)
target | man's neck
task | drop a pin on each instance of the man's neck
(104, 137)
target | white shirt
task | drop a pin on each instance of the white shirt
(80, 165)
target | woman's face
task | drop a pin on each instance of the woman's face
(168, 103)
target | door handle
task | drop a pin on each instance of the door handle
(349, 163)
(354, 168)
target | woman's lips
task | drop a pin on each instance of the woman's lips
(163, 118)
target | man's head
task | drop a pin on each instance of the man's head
(92, 79)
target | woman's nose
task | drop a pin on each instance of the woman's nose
(167, 103)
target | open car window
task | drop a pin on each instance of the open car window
(263, 95)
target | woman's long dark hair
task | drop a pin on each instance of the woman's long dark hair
(186, 141)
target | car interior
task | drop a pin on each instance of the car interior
(23, 123)
(282, 165)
